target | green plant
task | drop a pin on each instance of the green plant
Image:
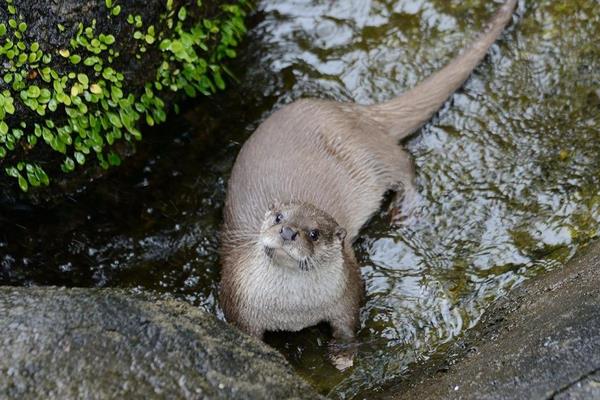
(85, 108)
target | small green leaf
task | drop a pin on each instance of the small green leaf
(33, 91)
(68, 165)
(95, 88)
(22, 58)
(80, 158)
(44, 96)
(114, 159)
(41, 174)
(47, 135)
(115, 120)
(11, 171)
(116, 93)
(76, 90)
(32, 177)
(17, 133)
(83, 79)
(23, 183)
(109, 39)
(218, 80)
(182, 14)
(9, 108)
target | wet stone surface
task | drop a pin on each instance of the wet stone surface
(586, 388)
(103, 344)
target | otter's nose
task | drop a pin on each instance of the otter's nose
(288, 233)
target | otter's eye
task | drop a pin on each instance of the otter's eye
(278, 218)
(314, 234)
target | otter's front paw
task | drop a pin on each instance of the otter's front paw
(342, 355)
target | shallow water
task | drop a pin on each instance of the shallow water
(508, 174)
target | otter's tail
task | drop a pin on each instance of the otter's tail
(405, 114)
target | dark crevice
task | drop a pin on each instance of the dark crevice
(570, 385)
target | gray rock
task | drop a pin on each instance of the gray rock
(585, 389)
(541, 342)
(104, 344)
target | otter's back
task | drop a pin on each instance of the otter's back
(319, 152)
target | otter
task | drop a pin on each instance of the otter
(303, 185)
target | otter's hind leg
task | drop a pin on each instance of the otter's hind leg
(403, 208)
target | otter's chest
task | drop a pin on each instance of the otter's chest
(282, 298)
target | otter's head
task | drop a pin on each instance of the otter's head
(299, 235)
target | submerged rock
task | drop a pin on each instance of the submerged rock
(97, 344)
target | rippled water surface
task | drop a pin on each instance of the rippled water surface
(508, 174)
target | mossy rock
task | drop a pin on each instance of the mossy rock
(80, 79)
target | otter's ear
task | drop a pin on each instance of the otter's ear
(271, 206)
(340, 233)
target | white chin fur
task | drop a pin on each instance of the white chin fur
(283, 259)
(279, 256)
(271, 242)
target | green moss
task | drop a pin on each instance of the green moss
(89, 98)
